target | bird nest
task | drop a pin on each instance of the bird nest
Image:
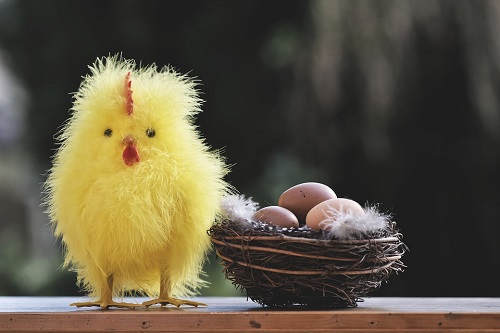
(285, 267)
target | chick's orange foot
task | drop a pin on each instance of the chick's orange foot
(106, 304)
(174, 301)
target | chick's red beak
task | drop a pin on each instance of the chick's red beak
(130, 154)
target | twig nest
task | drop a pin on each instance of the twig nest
(352, 252)
(282, 267)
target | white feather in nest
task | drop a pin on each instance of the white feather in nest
(347, 225)
(239, 209)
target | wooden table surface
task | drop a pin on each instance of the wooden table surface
(236, 314)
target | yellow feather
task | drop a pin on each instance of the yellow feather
(132, 221)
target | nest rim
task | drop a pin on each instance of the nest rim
(304, 255)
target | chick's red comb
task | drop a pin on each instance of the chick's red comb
(129, 102)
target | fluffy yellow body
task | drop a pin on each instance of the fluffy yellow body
(143, 222)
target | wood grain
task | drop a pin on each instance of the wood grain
(235, 314)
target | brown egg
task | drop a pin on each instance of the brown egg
(300, 198)
(276, 215)
(329, 209)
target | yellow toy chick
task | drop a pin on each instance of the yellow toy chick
(133, 187)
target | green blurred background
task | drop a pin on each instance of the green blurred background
(393, 102)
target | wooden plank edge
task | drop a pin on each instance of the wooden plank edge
(172, 321)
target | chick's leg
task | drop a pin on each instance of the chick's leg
(165, 298)
(106, 300)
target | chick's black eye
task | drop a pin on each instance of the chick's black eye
(108, 132)
(150, 132)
